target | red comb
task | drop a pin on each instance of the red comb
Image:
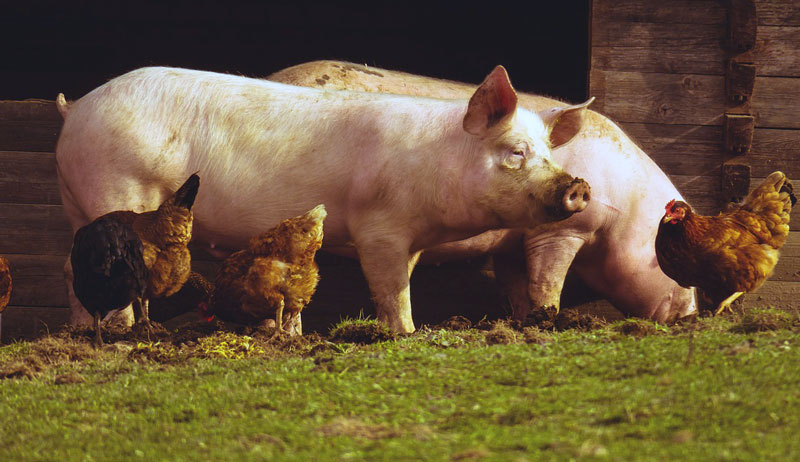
(670, 204)
(204, 312)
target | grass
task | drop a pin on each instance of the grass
(717, 389)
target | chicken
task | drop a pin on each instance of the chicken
(731, 253)
(109, 269)
(165, 234)
(276, 273)
(196, 291)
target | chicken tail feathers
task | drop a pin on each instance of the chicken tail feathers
(787, 188)
(185, 196)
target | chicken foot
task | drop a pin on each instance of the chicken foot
(726, 304)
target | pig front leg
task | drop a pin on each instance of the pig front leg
(548, 259)
(387, 266)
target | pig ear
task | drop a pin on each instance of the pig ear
(564, 122)
(491, 103)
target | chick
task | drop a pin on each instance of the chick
(276, 273)
(109, 269)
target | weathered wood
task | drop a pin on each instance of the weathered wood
(738, 130)
(21, 135)
(739, 82)
(776, 51)
(34, 229)
(776, 294)
(735, 181)
(28, 322)
(30, 125)
(28, 178)
(696, 150)
(660, 48)
(742, 24)
(778, 12)
(710, 12)
(689, 99)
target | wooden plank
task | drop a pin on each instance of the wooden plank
(697, 150)
(778, 12)
(34, 229)
(712, 12)
(776, 101)
(28, 178)
(669, 60)
(28, 322)
(659, 98)
(776, 294)
(31, 125)
(775, 53)
(690, 99)
(32, 135)
(38, 280)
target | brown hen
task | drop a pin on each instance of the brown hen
(731, 253)
(165, 234)
(5, 287)
(276, 273)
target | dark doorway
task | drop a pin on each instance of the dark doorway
(72, 47)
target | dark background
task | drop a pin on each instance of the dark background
(73, 46)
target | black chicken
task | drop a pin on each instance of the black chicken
(109, 269)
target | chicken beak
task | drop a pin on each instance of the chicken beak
(666, 219)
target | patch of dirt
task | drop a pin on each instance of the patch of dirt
(534, 335)
(357, 428)
(573, 319)
(363, 333)
(765, 320)
(637, 328)
(547, 319)
(48, 352)
(501, 334)
(455, 323)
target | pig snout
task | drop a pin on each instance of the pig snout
(576, 196)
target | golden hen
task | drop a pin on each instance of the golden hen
(276, 273)
(731, 253)
(165, 234)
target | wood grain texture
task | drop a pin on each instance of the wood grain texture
(28, 178)
(689, 99)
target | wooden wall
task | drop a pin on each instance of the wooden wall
(658, 69)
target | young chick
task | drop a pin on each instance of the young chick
(5, 287)
(165, 234)
(731, 253)
(276, 272)
(109, 268)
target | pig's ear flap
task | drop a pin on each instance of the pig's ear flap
(492, 102)
(564, 122)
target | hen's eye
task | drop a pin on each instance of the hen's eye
(518, 152)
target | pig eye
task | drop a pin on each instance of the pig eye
(515, 159)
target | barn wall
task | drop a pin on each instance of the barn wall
(658, 69)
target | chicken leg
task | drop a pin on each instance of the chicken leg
(98, 337)
(726, 304)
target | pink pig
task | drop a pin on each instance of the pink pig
(397, 174)
(610, 245)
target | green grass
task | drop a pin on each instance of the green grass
(711, 391)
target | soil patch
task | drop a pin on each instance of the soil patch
(362, 332)
(637, 328)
